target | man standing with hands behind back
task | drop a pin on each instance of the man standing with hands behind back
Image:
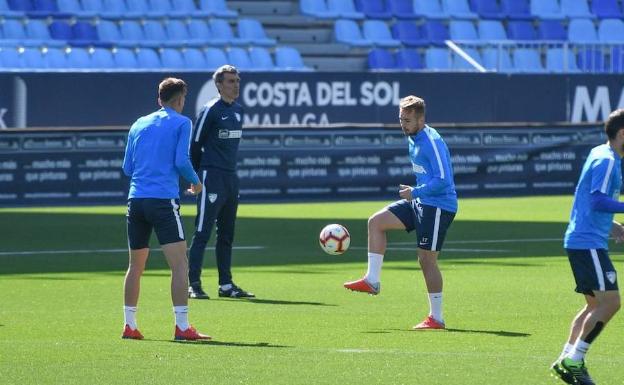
(214, 149)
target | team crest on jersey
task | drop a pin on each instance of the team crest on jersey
(611, 276)
(212, 197)
(238, 117)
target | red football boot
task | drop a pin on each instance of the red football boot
(189, 334)
(132, 334)
(364, 286)
(429, 323)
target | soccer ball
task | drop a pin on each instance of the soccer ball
(334, 239)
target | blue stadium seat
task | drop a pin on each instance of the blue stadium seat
(381, 59)
(108, 31)
(491, 30)
(436, 32)
(558, 61)
(288, 58)
(582, 31)
(21, 5)
(576, 9)
(59, 30)
(117, 9)
(252, 31)
(143, 8)
(438, 59)
(46, 8)
(194, 58)
(552, 30)
(78, 58)
(165, 7)
(488, 9)
(6, 11)
(591, 60)
(199, 30)
(37, 31)
(217, 8)
(345, 9)
(431, 9)
(239, 58)
(72, 7)
(178, 33)
(527, 60)
(516, 9)
(33, 59)
(155, 34)
(14, 29)
(409, 59)
(460, 63)
(125, 58)
(84, 33)
(402, 9)
(10, 58)
(378, 32)
(261, 59)
(546, 9)
(606, 9)
(132, 33)
(348, 32)
(317, 9)
(190, 8)
(215, 58)
(171, 58)
(611, 30)
(221, 30)
(458, 9)
(497, 60)
(55, 58)
(91, 8)
(102, 58)
(463, 30)
(373, 9)
(409, 34)
(521, 30)
(148, 58)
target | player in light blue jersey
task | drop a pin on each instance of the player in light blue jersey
(429, 208)
(591, 223)
(156, 156)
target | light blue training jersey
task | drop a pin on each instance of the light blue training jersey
(589, 229)
(157, 154)
(431, 162)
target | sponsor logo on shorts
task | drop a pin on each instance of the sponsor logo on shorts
(212, 197)
(611, 276)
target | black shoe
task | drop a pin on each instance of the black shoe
(196, 292)
(559, 372)
(578, 370)
(235, 292)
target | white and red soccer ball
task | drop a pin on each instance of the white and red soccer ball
(334, 239)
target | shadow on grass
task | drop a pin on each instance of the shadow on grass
(500, 333)
(282, 302)
(231, 344)
(284, 242)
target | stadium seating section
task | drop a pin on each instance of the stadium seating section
(532, 36)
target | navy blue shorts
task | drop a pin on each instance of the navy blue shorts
(162, 215)
(593, 270)
(430, 222)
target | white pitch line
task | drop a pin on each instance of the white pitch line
(44, 252)
(455, 250)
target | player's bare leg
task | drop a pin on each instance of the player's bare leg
(378, 224)
(132, 288)
(428, 260)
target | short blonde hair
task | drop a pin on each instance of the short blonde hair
(413, 103)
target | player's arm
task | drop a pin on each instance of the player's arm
(617, 232)
(128, 166)
(198, 136)
(602, 177)
(182, 161)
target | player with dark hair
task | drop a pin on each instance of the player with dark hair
(429, 208)
(156, 156)
(586, 243)
(214, 149)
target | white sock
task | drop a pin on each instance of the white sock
(374, 267)
(435, 306)
(226, 287)
(580, 349)
(567, 348)
(181, 317)
(130, 316)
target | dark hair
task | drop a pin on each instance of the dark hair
(170, 88)
(413, 103)
(219, 74)
(614, 123)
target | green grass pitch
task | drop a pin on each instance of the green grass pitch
(508, 291)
